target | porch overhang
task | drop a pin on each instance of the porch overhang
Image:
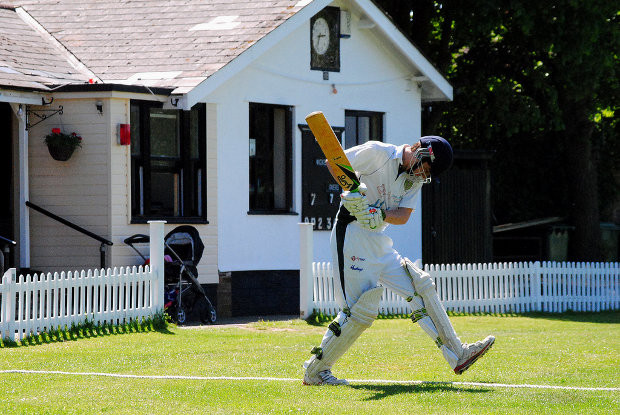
(21, 97)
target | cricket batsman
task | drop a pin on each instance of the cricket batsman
(364, 261)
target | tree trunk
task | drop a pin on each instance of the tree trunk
(583, 183)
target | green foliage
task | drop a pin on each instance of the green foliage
(161, 320)
(533, 81)
(58, 139)
(8, 343)
(88, 329)
(318, 317)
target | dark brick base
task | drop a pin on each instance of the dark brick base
(264, 292)
(253, 293)
(224, 295)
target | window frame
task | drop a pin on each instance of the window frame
(288, 131)
(141, 186)
(380, 116)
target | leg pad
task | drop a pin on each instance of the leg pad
(343, 332)
(425, 287)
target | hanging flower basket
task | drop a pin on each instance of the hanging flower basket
(61, 146)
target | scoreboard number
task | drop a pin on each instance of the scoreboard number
(320, 223)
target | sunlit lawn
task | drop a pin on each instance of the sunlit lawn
(580, 350)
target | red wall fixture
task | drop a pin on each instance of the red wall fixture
(125, 134)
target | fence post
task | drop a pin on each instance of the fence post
(8, 304)
(306, 279)
(156, 255)
(535, 285)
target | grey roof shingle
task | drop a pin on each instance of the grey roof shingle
(27, 60)
(130, 41)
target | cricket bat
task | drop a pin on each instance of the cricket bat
(341, 168)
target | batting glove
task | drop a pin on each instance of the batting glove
(372, 218)
(355, 202)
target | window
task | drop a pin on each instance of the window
(362, 126)
(168, 153)
(270, 145)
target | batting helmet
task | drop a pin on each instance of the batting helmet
(441, 153)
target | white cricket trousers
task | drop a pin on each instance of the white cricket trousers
(363, 259)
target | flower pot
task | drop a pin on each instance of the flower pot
(60, 153)
(61, 146)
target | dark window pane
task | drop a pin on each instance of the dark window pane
(279, 159)
(350, 132)
(376, 128)
(362, 126)
(164, 133)
(194, 133)
(135, 129)
(164, 194)
(270, 155)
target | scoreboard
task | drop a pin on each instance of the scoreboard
(320, 193)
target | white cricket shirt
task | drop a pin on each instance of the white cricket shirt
(377, 164)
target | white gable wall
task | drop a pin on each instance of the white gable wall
(372, 78)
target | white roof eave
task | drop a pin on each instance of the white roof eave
(21, 97)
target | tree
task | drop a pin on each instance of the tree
(531, 79)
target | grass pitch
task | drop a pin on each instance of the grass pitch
(567, 350)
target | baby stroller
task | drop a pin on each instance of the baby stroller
(184, 295)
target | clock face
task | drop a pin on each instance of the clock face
(320, 36)
(325, 40)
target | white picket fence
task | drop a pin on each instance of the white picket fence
(498, 288)
(31, 304)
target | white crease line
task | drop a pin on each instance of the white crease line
(383, 381)
(120, 375)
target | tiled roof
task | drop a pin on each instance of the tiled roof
(29, 61)
(162, 43)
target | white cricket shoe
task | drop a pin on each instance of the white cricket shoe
(473, 352)
(324, 378)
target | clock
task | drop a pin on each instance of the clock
(325, 40)
(320, 36)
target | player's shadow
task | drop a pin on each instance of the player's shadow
(385, 390)
(607, 316)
